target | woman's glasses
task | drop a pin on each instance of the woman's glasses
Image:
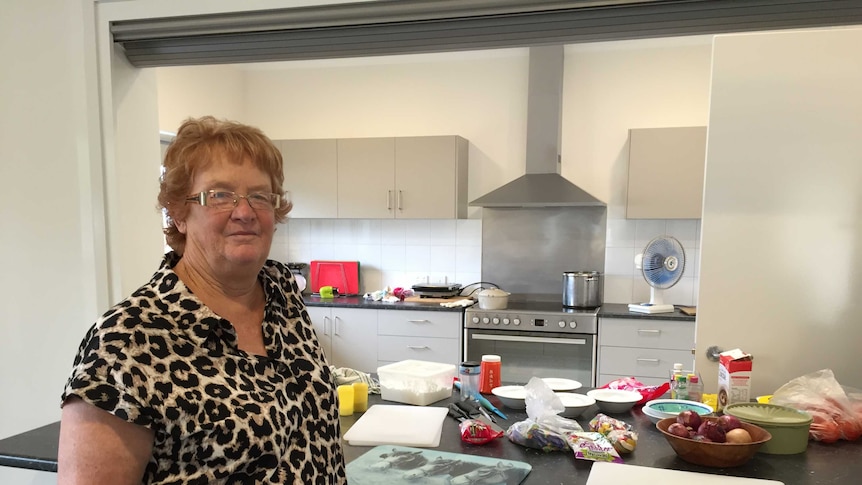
(223, 200)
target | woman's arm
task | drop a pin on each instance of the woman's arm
(98, 448)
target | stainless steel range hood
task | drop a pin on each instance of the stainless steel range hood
(542, 185)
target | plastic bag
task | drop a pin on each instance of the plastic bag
(836, 411)
(593, 446)
(478, 432)
(648, 393)
(543, 429)
(618, 433)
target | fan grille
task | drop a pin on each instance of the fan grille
(663, 262)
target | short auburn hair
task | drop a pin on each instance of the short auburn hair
(198, 142)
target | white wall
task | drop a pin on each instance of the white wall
(48, 283)
(782, 224)
(197, 91)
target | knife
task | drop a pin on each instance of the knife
(484, 402)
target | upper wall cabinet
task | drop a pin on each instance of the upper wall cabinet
(666, 167)
(423, 177)
(310, 170)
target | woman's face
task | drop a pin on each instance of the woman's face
(231, 239)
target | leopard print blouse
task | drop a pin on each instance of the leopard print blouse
(163, 360)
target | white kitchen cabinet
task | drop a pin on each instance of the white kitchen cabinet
(666, 168)
(310, 171)
(643, 348)
(419, 177)
(348, 336)
(420, 335)
(366, 178)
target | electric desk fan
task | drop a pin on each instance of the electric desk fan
(662, 264)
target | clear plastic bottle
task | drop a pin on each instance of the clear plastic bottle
(695, 388)
(677, 371)
(468, 374)
(681, 387)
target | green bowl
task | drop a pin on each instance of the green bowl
(788, 426)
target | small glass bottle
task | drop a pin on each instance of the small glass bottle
(677, 371)
(468, 374)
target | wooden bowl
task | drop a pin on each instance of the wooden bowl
(718, 455)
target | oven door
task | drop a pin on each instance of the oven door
(527, 354)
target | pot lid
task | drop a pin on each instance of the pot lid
(767, 414)
(493, 292)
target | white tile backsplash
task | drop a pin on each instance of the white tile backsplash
(390, 252)
(404, 252)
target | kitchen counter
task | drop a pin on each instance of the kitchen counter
(360, 302)
(821, 464)
(621, 310)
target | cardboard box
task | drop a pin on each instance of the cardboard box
(416, 382)
(734, 377)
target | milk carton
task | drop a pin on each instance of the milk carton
(734, 377)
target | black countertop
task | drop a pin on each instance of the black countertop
(821, 464)
(621, 310)
(360, 302)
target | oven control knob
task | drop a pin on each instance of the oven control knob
(475, 319)
(486, 320)
(562, 324)
(573, 324)
(516, 321)
(505, 321)
(495, 321)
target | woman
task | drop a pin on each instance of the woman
(211, 372)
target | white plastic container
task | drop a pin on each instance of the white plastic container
(416, 382)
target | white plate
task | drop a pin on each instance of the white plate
(558, 384)
(510, 392)
(615, 395)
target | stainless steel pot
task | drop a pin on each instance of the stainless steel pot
(582, 289)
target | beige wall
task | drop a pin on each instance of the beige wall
(202, 90)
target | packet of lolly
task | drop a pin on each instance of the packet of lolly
(589, 445)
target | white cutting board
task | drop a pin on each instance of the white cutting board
(385, 424)
(617, 473)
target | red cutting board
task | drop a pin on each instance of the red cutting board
(343, 275)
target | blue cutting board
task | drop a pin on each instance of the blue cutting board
(402, 465)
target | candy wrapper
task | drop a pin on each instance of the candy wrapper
(648, 393)
(593, 446)
(478, 432)
(617, 432)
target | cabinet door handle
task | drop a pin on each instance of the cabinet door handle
(335, 326)
(326, 324)
(400, 200)
(419, 321)
(418, 347)
(651, 361)
(644, 330)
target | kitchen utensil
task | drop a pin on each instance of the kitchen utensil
(485, 403)
(662, 264)
(658, 409)
(575, 403)
(614, 401)
(718, 455)
(343, 275)
(513, 397)
(582, 289)
(789, 427)
(436, 290)
(558, 384)
(493, 299)
(419, 426)
(616, 473)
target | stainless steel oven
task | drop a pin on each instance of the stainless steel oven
(541, 339)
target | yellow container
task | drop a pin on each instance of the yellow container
(360, 397)
(345, 400)
(711, 400)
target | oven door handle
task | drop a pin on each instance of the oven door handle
(537, 340)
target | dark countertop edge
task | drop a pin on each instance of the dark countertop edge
(360, 302)
(621, 310)
(29, 463)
